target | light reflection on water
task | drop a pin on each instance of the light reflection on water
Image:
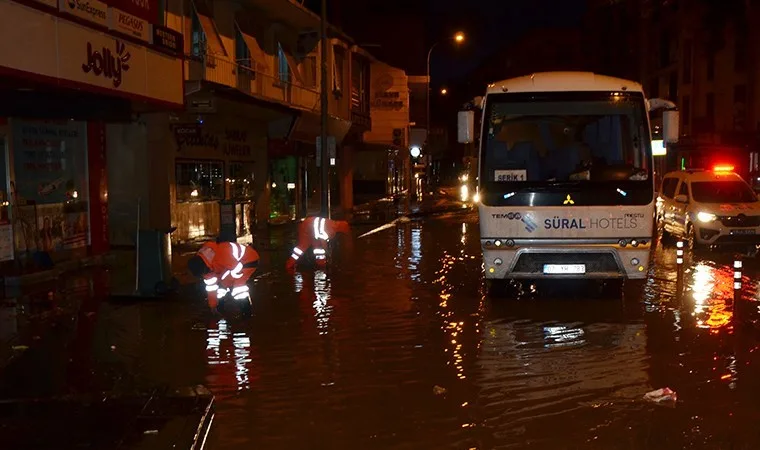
(226, 348)
(404, 351)
(322, 308)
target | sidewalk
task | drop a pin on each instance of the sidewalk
(378, 212)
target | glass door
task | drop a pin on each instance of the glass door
(6, 227)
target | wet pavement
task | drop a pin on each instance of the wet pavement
(397, 346)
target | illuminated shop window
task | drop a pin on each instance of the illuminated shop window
(199, 180)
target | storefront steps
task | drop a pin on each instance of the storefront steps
(33, 276)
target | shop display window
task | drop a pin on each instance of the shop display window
(240, 180)
(199, 181)
(50, 188)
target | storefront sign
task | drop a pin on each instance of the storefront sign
(50, 3)
(144, 9)
(388, 100)
(102, 60)
(6, 242)
(182, 132)
(91, 10)
(230, 141)
(167, 39)
(107, 63)
(77, 53)
(130, 25)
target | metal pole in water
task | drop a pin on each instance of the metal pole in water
(738, 265)
(679, 254)
(679, 268)
(325, 157)
(137, 248)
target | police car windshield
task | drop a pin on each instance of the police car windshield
(722, 192)
(565, 137)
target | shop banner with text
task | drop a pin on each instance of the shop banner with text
(51, 186)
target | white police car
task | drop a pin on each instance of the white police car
(709, 208)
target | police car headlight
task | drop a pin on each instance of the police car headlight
(706, 217)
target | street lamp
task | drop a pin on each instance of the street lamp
(444, 91)
(458, 38)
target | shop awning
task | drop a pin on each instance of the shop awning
(307, 127)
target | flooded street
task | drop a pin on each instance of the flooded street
(397, 346)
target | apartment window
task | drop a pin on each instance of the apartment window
(309, 67)
(688, 50)
(241, 180)
(360, 85)
(242, 52)
(710, 66)
(665, 49)
(198, 37)
(338, 66)
(740, 93)
(283, 69)
(740, 51)
(710, 108)
(686, 111)
(198, 181)
(654, 88)
(673, 86)
(740, 101)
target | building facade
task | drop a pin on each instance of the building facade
(118, 113)
(701, 55)
(72, 73)
(382, 166)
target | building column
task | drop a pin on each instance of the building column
(346, 179)
(139, 163)
(262, 191)
(158, 164)
(302, 188)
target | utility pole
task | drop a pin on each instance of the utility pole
(324, 156)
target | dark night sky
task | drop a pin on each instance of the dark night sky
(489, 26)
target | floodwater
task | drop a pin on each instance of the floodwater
(397, 346)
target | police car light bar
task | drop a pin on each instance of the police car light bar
(723, 168)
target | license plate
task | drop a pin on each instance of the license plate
(564, 268)
(745, 231)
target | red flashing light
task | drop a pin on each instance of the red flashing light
(723, 168)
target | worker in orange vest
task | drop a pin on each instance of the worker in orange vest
(315, 233)
(225, 267)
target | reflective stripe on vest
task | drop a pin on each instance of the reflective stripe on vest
(319, 229)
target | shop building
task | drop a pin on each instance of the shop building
(70, 77)
(252, 118)
(382, 163)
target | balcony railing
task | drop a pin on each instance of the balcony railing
(220, 70)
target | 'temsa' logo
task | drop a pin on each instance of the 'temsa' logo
(526, 219)
(106, 63)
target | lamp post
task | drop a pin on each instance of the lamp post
(458, 38)
(325, 157)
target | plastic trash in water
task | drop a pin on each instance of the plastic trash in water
(661, 395)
